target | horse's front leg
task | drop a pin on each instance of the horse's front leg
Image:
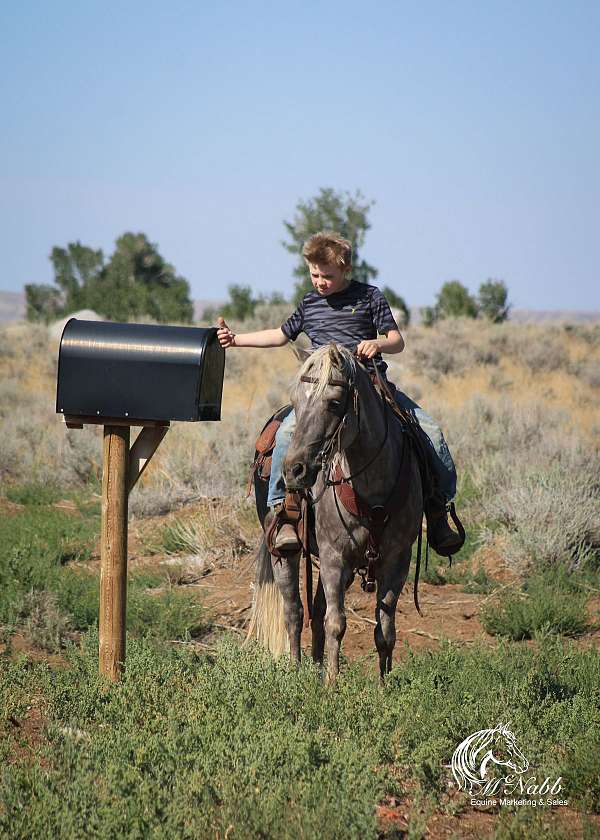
(334, 575)
(287, 577)
(391, 579)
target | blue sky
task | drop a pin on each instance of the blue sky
(474, 126)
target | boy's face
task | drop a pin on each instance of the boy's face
(328, 279)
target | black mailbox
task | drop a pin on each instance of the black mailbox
(139, 371)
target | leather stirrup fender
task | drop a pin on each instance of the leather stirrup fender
(292, 506)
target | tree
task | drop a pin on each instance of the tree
(454, 301)
(135, 281)
(329, 210)
(241, 303)
(429, 316)
(397, 302)
(74, 269)
(493, 301)
(44, 303)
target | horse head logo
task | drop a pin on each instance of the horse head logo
(472, 757)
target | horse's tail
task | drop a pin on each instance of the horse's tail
(267, 624)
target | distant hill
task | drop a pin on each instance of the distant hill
(12, 308)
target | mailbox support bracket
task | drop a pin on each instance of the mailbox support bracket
(144, 447)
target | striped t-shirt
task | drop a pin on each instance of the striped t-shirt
(358, 312)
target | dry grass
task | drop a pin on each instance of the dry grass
(518, 405)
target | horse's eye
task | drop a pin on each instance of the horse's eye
(334, 405)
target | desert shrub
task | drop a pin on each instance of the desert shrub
(9, 396)
(48, 599)
(547, 518)
(80, 453)
(268, 316)
(544, 355)
(452, 347)
(478, 581)
(34, 544)
(38, 614)
(197, 463)
(219, 527)
(588, 371)
(549, 603)
(33, 494)
(166, 615)
(192, 744)
(499, 443)
(38, 449)
(528, 824)
(588, 333)
(581, 764)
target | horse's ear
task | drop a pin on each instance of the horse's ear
(300, 354)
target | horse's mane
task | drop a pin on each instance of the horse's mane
(321, 362)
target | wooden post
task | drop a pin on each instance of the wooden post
(113, 551)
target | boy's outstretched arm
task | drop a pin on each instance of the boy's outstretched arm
(263, 338)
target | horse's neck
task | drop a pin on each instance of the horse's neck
(380, 475)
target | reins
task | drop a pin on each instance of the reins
(327, 450)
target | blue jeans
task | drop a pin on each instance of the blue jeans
(440, 459)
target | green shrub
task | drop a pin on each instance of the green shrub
(43, 622)
(188, 745)
(34, 544)
(48, 599)
(528, 824)
(34, 494)
(549, 603)
(168, 615)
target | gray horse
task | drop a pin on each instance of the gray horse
(341, 422)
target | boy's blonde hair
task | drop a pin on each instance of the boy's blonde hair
(329, 248)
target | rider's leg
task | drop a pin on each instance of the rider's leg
(440, 459)
(443, 474)
(286, 537)
(282, 443)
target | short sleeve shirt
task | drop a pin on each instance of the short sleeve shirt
(358, 312)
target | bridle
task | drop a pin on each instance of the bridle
(329, 444)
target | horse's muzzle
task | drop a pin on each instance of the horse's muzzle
(300, 475)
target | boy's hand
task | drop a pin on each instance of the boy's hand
(368, 348)
(224, 334)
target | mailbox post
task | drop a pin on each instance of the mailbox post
(123, 375)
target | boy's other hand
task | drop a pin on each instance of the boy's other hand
(367, 348)
(224, 334)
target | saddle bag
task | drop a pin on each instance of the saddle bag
(264, 446)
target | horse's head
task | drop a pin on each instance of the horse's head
(325, 402)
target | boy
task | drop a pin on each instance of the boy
(342, 311)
